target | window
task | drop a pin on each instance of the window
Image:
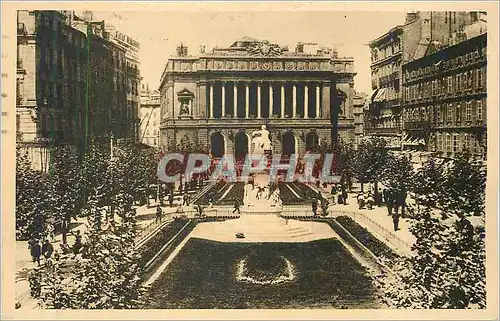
(449, 118)
(479, 78)
(457, 82)
(480, 110)
(458, 114)
(439, 115)
(455, 143)
(434, 82)
(450, 85)
(407, 94)
(439, 143)
(469, 80)
(464, 80)
(448, 142)
(468, 111)
(466, 142)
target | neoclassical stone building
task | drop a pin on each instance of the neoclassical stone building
(219, 98)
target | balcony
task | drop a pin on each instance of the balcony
(381, 130)
(417, 125)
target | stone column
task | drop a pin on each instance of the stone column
(270, 100)
(259, 85)
(202, 100)
(294, 99)
(247, 99)
(317, 100)
(223, 98)
(325, 103)
(235, 99)
(211, 98)
(306, 100)
(282, 100)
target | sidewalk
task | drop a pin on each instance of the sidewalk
(376, 220)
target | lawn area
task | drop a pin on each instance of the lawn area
(203, 276)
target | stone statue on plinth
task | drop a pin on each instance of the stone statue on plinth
(261, 141)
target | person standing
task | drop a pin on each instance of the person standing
(395, 221)
(314, 206)
(35, 250)
(344, 195)
(390, 202)
(78, 242)
(171, 198)
(159, 213)
(185, 199)
(47, 249)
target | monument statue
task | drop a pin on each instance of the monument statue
(261, 140)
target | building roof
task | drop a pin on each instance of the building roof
(390, 33)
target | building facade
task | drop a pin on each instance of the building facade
(358, 106)
(402, 44)
(218, 98)
(384, 115)
(69, 88)
(445, 99)
(149, 113)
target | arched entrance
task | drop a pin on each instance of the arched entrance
(217, 145)
(312, 141)
(240, 145)
(288, 142)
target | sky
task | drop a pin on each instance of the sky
(159, 32)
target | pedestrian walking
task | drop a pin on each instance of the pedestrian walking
(199, 210)
(344, 195)
(361, 201)
(159, 214)
(171, 199)
(185, 199)
(370, 201)
(314, 206)
(390, 203)
(47, 249)
(236, 207)
(35, 250)
(395, 221)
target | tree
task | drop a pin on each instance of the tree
(105, 275)
(446, 270)
(428, 182)
(31, 196)
(398, 175)
(64, 186)
(369, 159)
(463, 189)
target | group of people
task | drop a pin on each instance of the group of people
(339, 193)
(323, 205)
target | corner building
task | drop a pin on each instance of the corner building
(218, 99)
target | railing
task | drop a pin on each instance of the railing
(418, 125)
(356, 216)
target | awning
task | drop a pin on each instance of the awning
(410, 140)
(372, 95)
(381, 95)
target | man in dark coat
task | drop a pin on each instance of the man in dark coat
(35, 251)
(47, 249)
(395, 221)
(171, 198)
(314, 206)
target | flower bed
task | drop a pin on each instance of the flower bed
(204, 275)
(377, 247)
(149, 249)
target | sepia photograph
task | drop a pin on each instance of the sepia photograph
(239, 157)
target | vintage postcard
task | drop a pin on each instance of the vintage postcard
(249, 160)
